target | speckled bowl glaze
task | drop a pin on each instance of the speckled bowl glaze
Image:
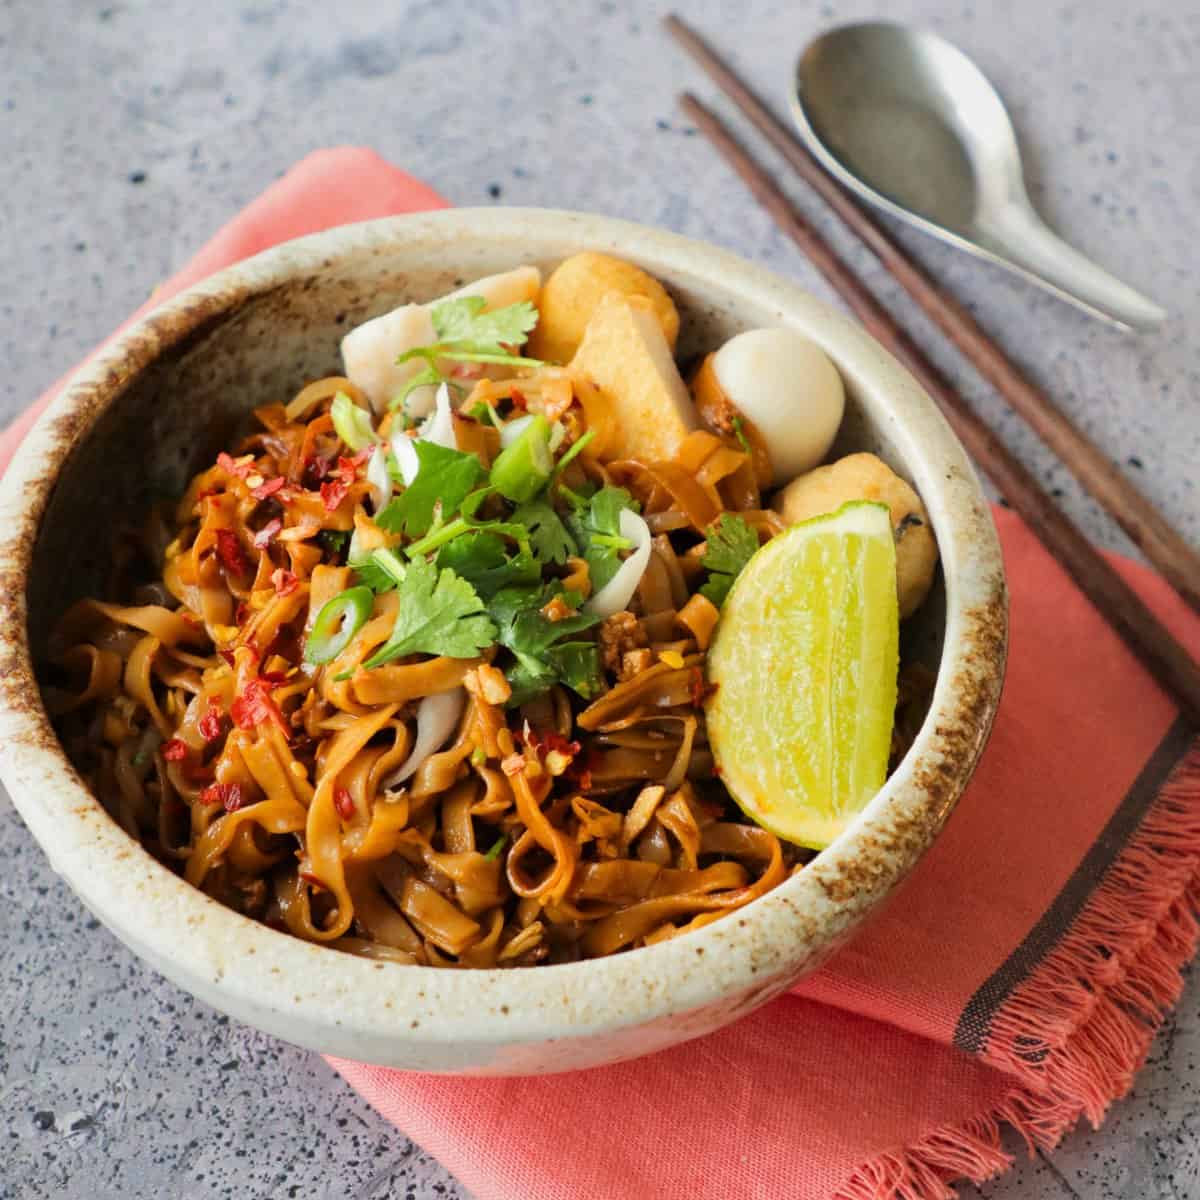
(160, 400)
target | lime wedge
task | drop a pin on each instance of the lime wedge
(805, 658)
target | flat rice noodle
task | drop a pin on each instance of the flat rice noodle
(246, 855)
(458, 834)
(620, 881)
(677, 819)
(322, 834)
(484, 952)
(378, 951)
(554, 841)
(395, 683)
(478, 881)
(138, 682)
(661, 686)
(497, 797)
(667, 521)
(699, 617)
(168, 626)
(665, 553)
(101, 670)
(595, 821)
(654, 587)
(428, 911)
(700, 505)
(375, 914)
(599, 416)
(641, 813)
(620, 765)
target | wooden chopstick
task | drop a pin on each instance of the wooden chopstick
(1178, 562)
(1163, 656)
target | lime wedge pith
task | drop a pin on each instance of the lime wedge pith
(805, 659)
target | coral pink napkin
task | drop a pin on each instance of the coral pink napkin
(1018, 978)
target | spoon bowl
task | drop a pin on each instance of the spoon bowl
(910, 123)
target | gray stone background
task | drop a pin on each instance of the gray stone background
(130, 131)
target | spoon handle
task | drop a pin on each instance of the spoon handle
(1171, 553)
(1015, 232)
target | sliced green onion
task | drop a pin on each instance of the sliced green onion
(739, 431)
(524, 468)
(337, 623)
(497, 846)
(351, 423)
(390, 564)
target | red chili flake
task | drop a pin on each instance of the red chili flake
(333, 492)
(227, 794)
(254, 706)
(196, 772)
(352, 464)
(344, 803)
(230, 552)
(266, 535)
(210, 724)
(699, 689)
(518, 399)
(227, 655)
(241, 614)
(315, 469)
(580, 770)
(228, 463)
(283, 581)
(268, 488)
(175, 750)
(549, 739)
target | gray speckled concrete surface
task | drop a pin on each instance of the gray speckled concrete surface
(131, 131)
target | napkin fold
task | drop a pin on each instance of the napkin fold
(1017, 980)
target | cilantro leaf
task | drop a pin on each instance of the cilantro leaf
(372, 575)
(333, 541)
(536, 642)
(481, 559)
(443, 479)
(597, 529)
(529, 678)
(463, 324)
(577, 664)
(731, 545)
(547, 534)
(440, 613)
(464, 332)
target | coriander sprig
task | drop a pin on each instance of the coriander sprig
(465, 332)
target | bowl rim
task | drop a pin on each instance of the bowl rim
(190, 936)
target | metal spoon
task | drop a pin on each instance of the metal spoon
(910, 122)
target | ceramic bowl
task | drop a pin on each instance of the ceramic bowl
(161, 398)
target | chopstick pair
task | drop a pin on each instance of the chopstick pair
(1162, 654)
